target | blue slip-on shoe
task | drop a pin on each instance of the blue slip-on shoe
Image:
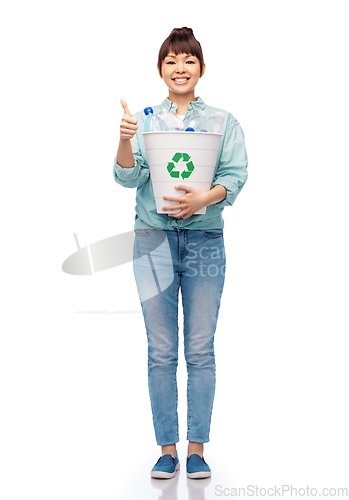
(165, 467)
(197, 467)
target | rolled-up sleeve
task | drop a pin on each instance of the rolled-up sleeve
(232, 167)
(136, 175)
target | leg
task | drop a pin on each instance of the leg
(197, 448)
(171, 449)
(202, 286)
(160, 313)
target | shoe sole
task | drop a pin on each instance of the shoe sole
(198, 475)
(158, 474)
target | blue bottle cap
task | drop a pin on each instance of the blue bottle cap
(147, 111)
(189, 129)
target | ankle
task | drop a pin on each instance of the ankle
(169, 449)
(195, 448)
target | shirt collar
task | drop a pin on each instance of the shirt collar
(172, 106)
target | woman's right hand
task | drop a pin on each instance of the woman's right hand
(128, 125)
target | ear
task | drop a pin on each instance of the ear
(203, 70)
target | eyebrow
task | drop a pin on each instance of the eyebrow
(173, 55)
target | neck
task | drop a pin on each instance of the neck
(182, 101)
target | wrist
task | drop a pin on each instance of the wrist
(217, 194)
(124, 156)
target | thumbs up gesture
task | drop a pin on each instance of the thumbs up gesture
(128, 125)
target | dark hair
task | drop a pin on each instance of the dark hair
(181, 41)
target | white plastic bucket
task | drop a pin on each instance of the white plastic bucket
(180, 158)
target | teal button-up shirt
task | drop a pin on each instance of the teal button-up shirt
(230, 172)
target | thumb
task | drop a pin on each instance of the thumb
(124, 105)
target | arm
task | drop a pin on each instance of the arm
(232, 167)
(128, 129)
(194, 199)
(215, 195)
(124, 155)
(136, 175)
(130, 169)
(229, 178)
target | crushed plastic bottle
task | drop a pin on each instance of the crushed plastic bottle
(214, 124)
(162, 121)
(167, 121)
(158, 124)
(170, 120)
(196, 121)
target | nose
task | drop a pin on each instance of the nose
(180, 68)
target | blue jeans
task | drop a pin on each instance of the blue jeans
(164, 261)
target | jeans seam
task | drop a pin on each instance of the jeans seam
(177, 344)
(187, 244)
(189, 414)
(179, 254)
(214, 385)
(214, 334)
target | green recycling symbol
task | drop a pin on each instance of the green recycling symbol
(189, 165)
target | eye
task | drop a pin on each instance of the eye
(170, 62)
(191, 62)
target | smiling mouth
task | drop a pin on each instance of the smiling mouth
(180, 80)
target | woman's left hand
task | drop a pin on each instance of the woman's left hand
(190, 202)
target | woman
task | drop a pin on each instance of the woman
(196, 248)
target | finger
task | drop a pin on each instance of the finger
(124, 131)
(128, 121)
(124, 105)
(172, 207)
(127, 130)
(126, 135)
(128, 126)
(173, 198)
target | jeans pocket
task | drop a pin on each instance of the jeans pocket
(144, 232)
(212, 233)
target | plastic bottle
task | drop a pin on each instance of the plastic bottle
(159, 125)
(196, 121)
(148, 122)
(214, 124)
(162, 121)
(168, 121)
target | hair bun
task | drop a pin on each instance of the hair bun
(182, 31)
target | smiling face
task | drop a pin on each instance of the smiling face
(181, 72)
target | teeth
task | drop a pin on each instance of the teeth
(181, 79)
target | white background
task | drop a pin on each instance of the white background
(75, 418)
